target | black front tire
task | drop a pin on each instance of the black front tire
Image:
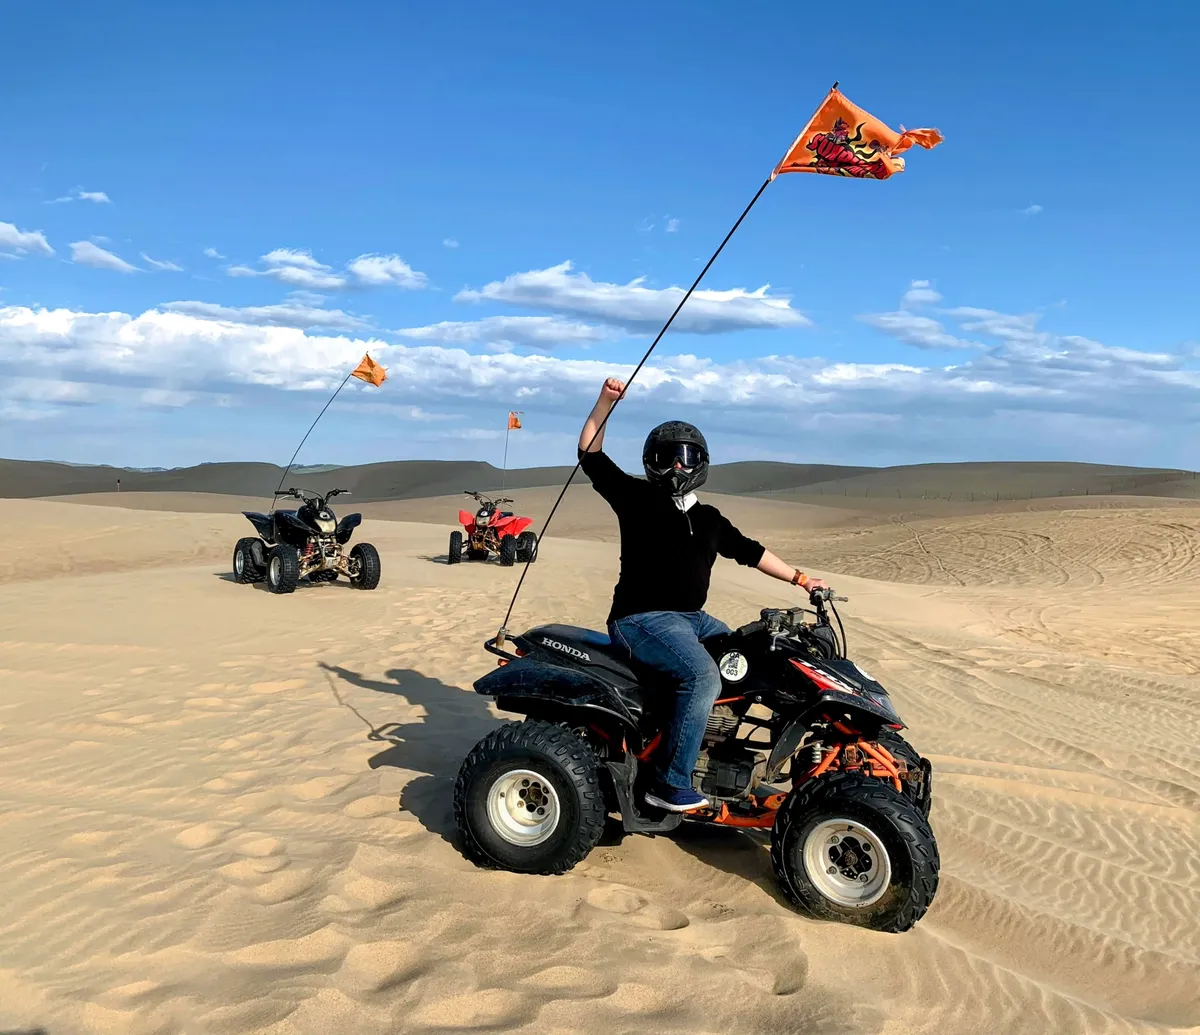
(368, 568)
(560, 768)
(456, 548)
(283, 569)
(840, 823)
(919, 785)
(527, 547)
(245, 568)
(508, 551)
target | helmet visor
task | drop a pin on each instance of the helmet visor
(685, 454)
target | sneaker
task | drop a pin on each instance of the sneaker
(675, 799)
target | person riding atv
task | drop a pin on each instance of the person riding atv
(669, 543)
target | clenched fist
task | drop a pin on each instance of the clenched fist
(613, 389)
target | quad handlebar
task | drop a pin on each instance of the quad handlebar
(306, 495)
(483, 497)
(787, 621)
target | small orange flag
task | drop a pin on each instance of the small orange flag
(843, 140)
(514, 421)
(370, 371)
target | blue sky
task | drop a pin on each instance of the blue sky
(416, 178)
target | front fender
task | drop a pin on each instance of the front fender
(347, 526)
(784, 748)
(530, 685)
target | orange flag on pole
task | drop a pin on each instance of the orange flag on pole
(843, 140)
(370, 371)
(514, 421)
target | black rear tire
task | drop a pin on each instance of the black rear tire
(841, 823)
(323, 576)
(527, 547)
(498, 825)
(245, 568)
(283, 569)
(369, 568)
(508, 551)
(456, 548)
(477, 555)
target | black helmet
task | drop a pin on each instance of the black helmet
(670, 442)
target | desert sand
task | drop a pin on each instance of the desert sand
(223, 811)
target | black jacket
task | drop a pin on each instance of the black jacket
(667, 554)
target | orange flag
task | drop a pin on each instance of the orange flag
(514, 421)
(370, 371)
(843, 140)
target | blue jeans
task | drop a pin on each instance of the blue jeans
(669, 643)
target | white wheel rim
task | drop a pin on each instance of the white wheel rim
(239, 562)
(276, 570)
(523, 808)
(847, 863)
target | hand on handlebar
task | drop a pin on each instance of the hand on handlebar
(821, 592)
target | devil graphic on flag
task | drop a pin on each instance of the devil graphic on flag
(842, 139)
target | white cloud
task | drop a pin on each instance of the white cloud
(305, 275)
(1032, 210)
(539, 332)
(450, 242)
(24, 241)
(162, 264)
(378, 270)
(283, 315)
(1012, 393)
(920, 292)
(672, 225)
(921, 331)
(293, 257)
(212, 253)
(76, 194)
(299, 269)
(638, 307)
(84, 253)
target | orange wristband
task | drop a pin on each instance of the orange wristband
(799, 579)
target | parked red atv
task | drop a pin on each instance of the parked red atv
(492, 530)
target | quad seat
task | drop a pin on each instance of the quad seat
(595, 651)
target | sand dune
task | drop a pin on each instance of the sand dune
(814, 483)
(229, 812)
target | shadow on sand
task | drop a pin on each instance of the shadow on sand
(455, 720)
(303, 586)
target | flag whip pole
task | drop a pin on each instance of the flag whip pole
(309, 432)
(503, 632)
(504, 468)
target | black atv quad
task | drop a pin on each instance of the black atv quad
(307, 542)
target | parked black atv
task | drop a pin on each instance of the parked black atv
(802, 744)
(305, 543)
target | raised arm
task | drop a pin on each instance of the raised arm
(591, 439)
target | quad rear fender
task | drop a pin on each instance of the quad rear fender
(261, 522)
(539, 689)
(514, 526)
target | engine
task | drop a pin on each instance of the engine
(721, 723)
(732, 774)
